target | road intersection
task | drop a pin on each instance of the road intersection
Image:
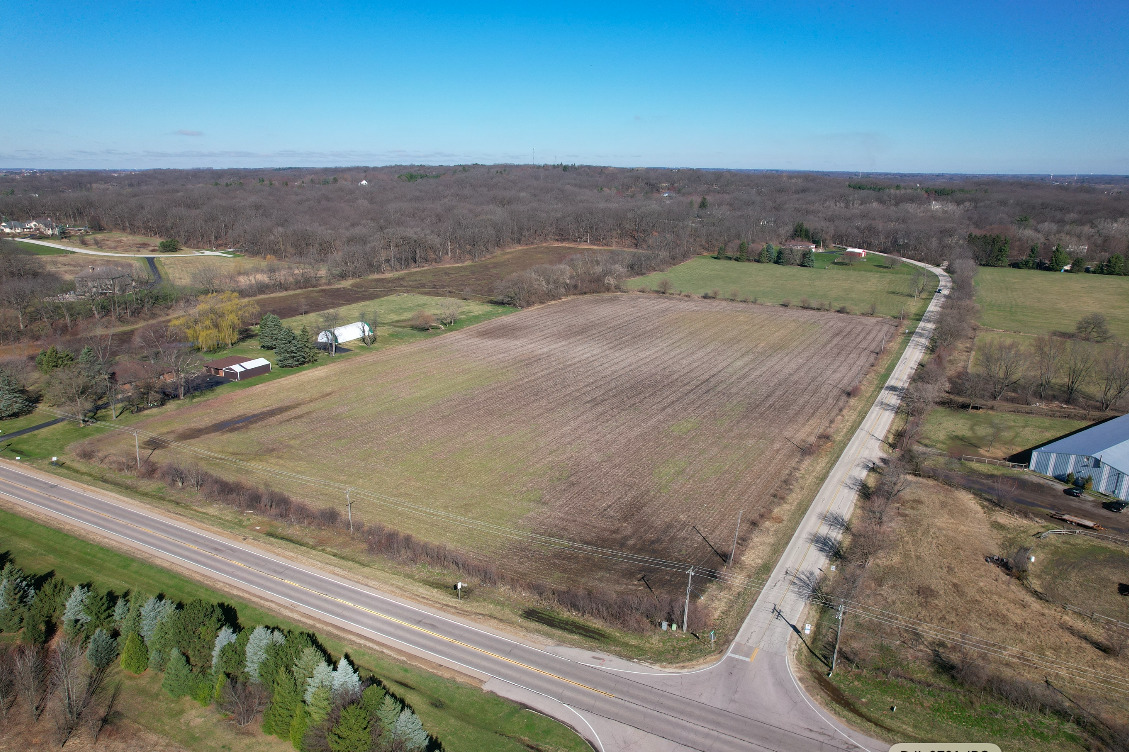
(748, 700)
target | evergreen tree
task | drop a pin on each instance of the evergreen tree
(15, 594)
(321, 678)
(388, 712)
(288, 351)
(1077, 265)
(155, 611)
(767, 254)
(42, 614)
(808, 259)
(74, 612)
(53, 358)
(1032, 260)
(226, 636)
(12, 606)
(781, 257)
(319, 704)
(259, 643)
(102, 650)
(351, 732)
(703, 204)
(743, 251)
(193, 630)
(306, 663)
(309, 348)
(372, 697)
(294, 644)
(178, 677)
(135, 656)
(1059, 259)
(270, 327)
(14, 399)
(121, 611)
(346, 681)
(299, 726)
(285, 699)
(1115, 265)
(408, 730)
(98, 611)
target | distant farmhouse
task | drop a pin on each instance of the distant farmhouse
(103, 280)
(347, 333)
(1100, 452)
(798, 244)
(41, 226)
(854, 253)
(237, 367)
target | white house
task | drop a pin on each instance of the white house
(346, 333)
(13, 228)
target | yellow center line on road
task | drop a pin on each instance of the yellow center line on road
(342, 601)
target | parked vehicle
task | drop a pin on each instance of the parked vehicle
(1073, 491)
(1116, 506)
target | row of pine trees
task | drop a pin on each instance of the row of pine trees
(283, 677)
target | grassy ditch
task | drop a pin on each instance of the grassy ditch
(461, 716)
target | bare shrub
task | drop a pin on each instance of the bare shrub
(662, 286)
(243, 701)
(422, 320)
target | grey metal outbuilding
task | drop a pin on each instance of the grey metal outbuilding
(1100, 452)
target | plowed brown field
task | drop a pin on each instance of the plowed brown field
(634, 422)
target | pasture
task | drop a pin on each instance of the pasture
(643, 424)
(857, 286)
(932, 573)
(1037, 302)
(990, 433)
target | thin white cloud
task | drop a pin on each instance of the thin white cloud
(184, 132)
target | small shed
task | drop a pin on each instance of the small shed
(1100, 452)
(347, 333)
(237, 368)
(854, 253)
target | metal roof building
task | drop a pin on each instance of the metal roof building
(346, 333)
(237, 367)
(1100, 452)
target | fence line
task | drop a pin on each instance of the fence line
(989, 461)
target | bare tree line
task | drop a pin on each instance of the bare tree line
(325, 216)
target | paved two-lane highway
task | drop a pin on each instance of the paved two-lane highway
(749, 700)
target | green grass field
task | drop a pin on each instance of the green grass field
(462, 717)
(856, 286)
(40, 250)
(990, 434)
(1082, 572)
(1036, 302)
(394, 311)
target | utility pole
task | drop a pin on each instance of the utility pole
(349, 509)
(838, 634)
(735, 534)
(686, 610)
(137, 448)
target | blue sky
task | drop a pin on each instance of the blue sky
(900, 86)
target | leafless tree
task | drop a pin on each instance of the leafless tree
(328, 321)
(1113, 375)
(1047, 354)
(243, 701)
(370, 318)
(170, 352)
(1078, 364)
(919, 282)
(1093, 326)
(30, 677)
(450, 312)
(1001, 362)
(73, 390)
(7, 680)
(71, 685)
